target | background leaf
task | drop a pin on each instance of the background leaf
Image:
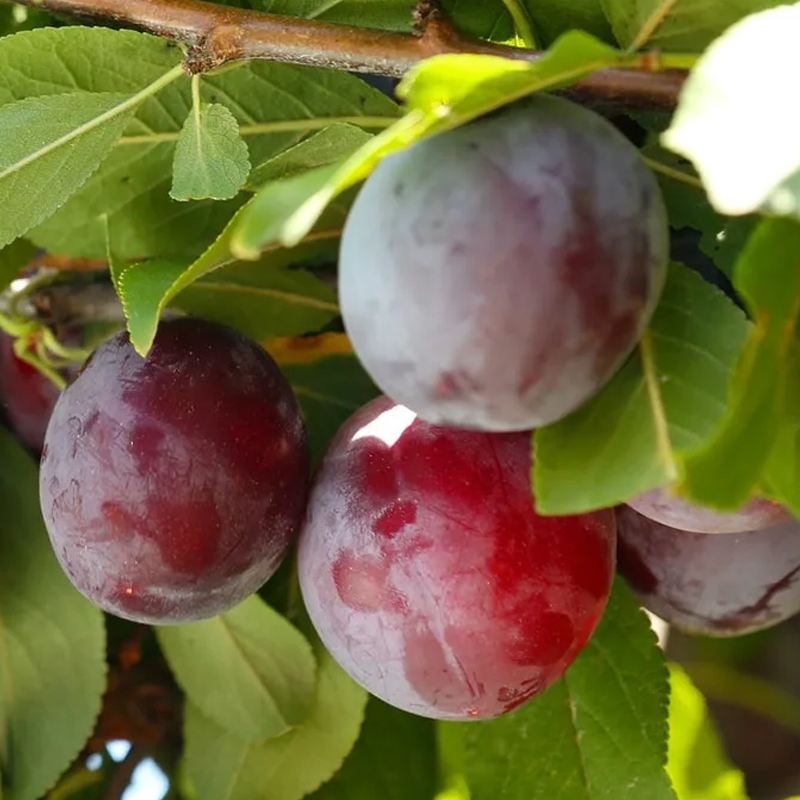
(666, 399)
(677, 25)
(726, 470)
(394, 759)
(13, 258)
(249, 670)
(211, 159)
(327, 379)
(223, 766)
(52, 643)
(697, 764)
(735, 95)
(576, 742)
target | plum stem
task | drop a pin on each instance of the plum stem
(217, 36)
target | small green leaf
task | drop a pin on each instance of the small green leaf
(327, 379)
(52, 643)
(732, 103)
(49, 146)
(248, 670)
(600, 733)
(211, 158)
(697, 764)
(394, 759)
(727, 469)
(676, 25)
(223, 766)
(440, 93)
(667, 398)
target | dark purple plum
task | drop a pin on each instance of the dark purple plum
(709, 584)
(429, 576)
(172, 485)
(27, 396)
(669, 509)
(495, 276)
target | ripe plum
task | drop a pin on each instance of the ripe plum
(172, 485)
(709, 584)
(495, 276)
(27, 396)
(671, 510)
(430, 577)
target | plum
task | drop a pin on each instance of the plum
(671, 510)
(172, 485)
(27, 396)
(708, 584)
(495, 276)
(428, 574)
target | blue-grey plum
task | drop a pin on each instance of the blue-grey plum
(669, 509)
(431, 578)
(496, 275)
(708, 584)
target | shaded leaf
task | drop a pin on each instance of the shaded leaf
(599, 732)
(211, 159)
(666, 399)
(676, 25)
(13, 258)
(736, 94)
(52, 643)
(727, 469)
(552, 18)
(394, 759)
(327, 379)
(249, 670)
(224, 766)
(697, 764)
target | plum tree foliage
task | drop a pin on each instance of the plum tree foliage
(340, 410)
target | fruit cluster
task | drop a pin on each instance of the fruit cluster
(492, 279)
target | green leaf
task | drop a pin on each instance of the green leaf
(49, 146)
(383, 14)
(13, 258)
(552, 18)
(327, 379)
(249, 670)
(722, 238)
(211, 158)
(736, 95)
(224, 766)
(600, 733)
(667, 398)
(331, 144)
(394, 759)
(440, 93)
(726, 470)
(274, 104)
(52, 643)
(697, 764)
(262, 303)
(676, 25)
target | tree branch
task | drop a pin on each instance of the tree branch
(217, 35)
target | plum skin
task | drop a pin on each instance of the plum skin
(430, 578)
(495, 276)
(675, 512)
(172, 485)
(708, 584)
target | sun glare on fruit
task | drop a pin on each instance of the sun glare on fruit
(388, 426)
